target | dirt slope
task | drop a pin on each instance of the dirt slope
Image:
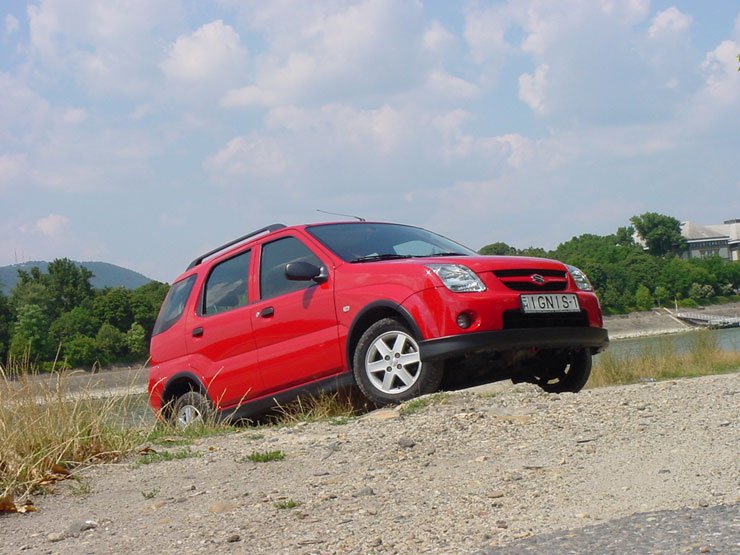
(477, 470)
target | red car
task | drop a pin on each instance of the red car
(391, 308)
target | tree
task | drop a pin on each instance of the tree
(662, 234)
(136, 341)
(643, 299)
(497, 248)
(69, 284)
(111, 343)
(31, 331)
(113, 306)
(662, 295)
(81, 352)
(79, 321)
(6, 319)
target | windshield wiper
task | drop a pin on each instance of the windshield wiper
(374, 257)
(444, 254)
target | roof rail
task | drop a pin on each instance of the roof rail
(268, 229)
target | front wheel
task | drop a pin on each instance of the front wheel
(388, 367)
(568, 376)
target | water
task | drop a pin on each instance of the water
(728, 339)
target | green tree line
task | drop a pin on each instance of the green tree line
(57, 317)
(628, 276)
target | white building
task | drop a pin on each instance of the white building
(706, 240)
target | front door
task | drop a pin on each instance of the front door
(295, 322)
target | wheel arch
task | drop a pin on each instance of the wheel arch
(180, 384)
(372, 313)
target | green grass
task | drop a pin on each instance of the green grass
(151, 494)
(661, 360)
(421, 403)
(163, 456)
(287, 504)
(263, 456)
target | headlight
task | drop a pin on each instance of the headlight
(458, 278)
(580, 278)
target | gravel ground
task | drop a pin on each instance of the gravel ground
(480, 470)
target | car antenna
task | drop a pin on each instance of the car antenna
(345, 215)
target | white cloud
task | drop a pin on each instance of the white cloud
(73, 116)
(446, 85)
(12, 169)
(438, 40)
(372, 47)
(668, 22)
(11, 24)
(53, 226)
(214, 49)
(720, 67)
(533, 88)
(248, 156)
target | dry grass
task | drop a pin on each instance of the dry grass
(662, 360)
(338, 406)
(48, 431)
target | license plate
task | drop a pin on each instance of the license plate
(549, 303)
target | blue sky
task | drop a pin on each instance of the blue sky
(143, 133)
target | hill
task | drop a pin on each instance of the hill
(104, 275)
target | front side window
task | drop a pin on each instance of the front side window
(275, 256)
(226, 287)
(173, 305)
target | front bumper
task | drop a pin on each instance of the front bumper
(595, 339)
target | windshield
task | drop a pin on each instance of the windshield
(364, 242)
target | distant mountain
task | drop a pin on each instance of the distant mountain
(104, 275)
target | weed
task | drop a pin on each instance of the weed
(151, 494)
(324, 406)
(663, 360)
(264, 456)
(161, 456)
(81, 487)
(255, 437)
(45, 427)
(420, 403)
(287, 504)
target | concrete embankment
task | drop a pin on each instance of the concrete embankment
(658, 321)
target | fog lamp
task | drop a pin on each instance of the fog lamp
(464, 320)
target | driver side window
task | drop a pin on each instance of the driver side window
(275, 256)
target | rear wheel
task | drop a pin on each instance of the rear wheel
(191, 408)
(563, 376)
(388, 367)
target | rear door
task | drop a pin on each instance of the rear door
(295, 322)
(222, 343)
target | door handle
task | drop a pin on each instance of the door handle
(198, 332)
(266, 312)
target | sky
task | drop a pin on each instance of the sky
(144, 133)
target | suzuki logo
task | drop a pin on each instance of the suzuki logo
(538, 279)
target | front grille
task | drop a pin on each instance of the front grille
(514, 319)
(527, 273)
(521, 280)
(531, 286)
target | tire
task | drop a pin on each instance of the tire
(191, 408)
(568, 377)
(388, 341)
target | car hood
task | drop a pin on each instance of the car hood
(482, 264)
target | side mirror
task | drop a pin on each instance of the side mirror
(305, 271)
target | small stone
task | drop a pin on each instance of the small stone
(496, 494)
(77, 527)
(382, 414)
(233, 538)
(221, 507)
(502, 524)
(406, 443)
(482, 458)
(364, 492)
(56, 536)
(704, 549)
(376, 542)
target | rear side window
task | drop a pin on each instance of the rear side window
(226, 287)
(173, 305)
(274, 258)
